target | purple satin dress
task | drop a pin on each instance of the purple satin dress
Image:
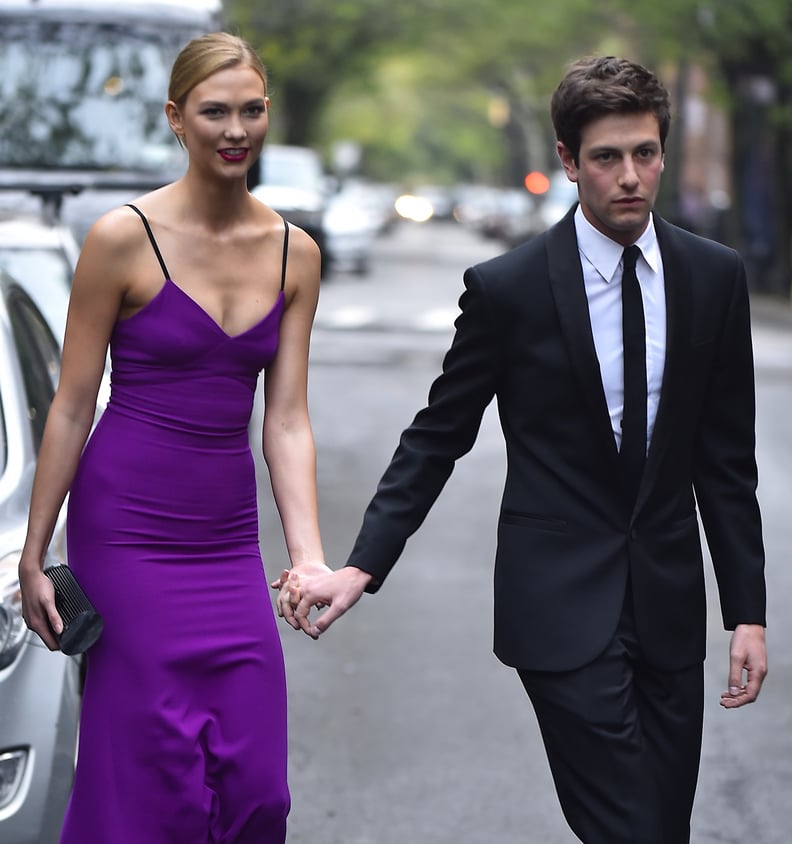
(183, 732)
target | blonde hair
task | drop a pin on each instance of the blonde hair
(207, 54)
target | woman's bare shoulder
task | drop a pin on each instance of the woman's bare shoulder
(118, 229)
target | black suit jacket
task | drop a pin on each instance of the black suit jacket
(568, 534)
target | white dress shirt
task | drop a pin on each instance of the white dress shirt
(601, 258)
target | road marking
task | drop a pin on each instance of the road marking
(356, 317)
(351, 316)
(437, 319)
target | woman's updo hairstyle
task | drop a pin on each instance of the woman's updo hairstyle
(206, 55)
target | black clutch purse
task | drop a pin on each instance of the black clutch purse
(82, 624)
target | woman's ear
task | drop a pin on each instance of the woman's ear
(174, 119)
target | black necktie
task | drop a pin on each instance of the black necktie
(633, 443)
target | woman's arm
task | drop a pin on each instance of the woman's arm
(287, 436)
(97, 292)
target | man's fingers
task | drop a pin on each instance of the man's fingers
(747, 666)
(301, 612)
(746, 692)
(736, 665)
(326, 619)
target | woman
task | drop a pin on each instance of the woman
(196, 287)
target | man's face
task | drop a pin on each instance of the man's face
(618, 173)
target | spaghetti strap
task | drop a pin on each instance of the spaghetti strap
(285, 253)
(153, 242)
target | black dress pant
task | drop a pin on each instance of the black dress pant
(623, 740)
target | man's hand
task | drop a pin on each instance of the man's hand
(309, 585)
(289, 584)
(747, 665)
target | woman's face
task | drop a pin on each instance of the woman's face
(224, 121)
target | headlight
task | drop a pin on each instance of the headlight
(12, 767)
(12, 626)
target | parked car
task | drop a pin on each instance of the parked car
(42, 258)
(353, 220)
(293, 183)
(551, 207)
(39, 691)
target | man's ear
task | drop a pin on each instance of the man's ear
(567, 161)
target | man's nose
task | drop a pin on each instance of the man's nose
(629, 175)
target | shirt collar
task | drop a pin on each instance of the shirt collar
(604, 254)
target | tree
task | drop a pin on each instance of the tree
(313, 46)
(747, 49)
(461, 87)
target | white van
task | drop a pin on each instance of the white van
(83, 84)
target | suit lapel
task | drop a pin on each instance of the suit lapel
(569, 292)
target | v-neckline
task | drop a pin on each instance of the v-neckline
(215, 323)
(169, 283)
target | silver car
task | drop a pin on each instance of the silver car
(39, 690)
(42, 258)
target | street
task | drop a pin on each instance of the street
(403, 725)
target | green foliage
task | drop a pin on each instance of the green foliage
(456, 86)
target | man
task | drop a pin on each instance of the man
(616, 441)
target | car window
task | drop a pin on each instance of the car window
(39, 359)
(46, 275)
(3, 439)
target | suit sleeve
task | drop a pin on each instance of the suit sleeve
(725, 472)
(442, 432)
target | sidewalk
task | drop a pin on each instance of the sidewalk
(771, 310)
(771, 327)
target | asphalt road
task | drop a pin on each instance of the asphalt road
(403, 725)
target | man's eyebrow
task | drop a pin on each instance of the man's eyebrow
(649, 142)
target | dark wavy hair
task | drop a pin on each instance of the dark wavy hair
(597, 86)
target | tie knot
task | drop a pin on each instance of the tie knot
(630, 257)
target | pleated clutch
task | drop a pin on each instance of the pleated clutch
(82, 624)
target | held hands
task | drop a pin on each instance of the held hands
(748, 659)
(315, 585)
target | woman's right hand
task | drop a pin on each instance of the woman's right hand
(38, 605)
